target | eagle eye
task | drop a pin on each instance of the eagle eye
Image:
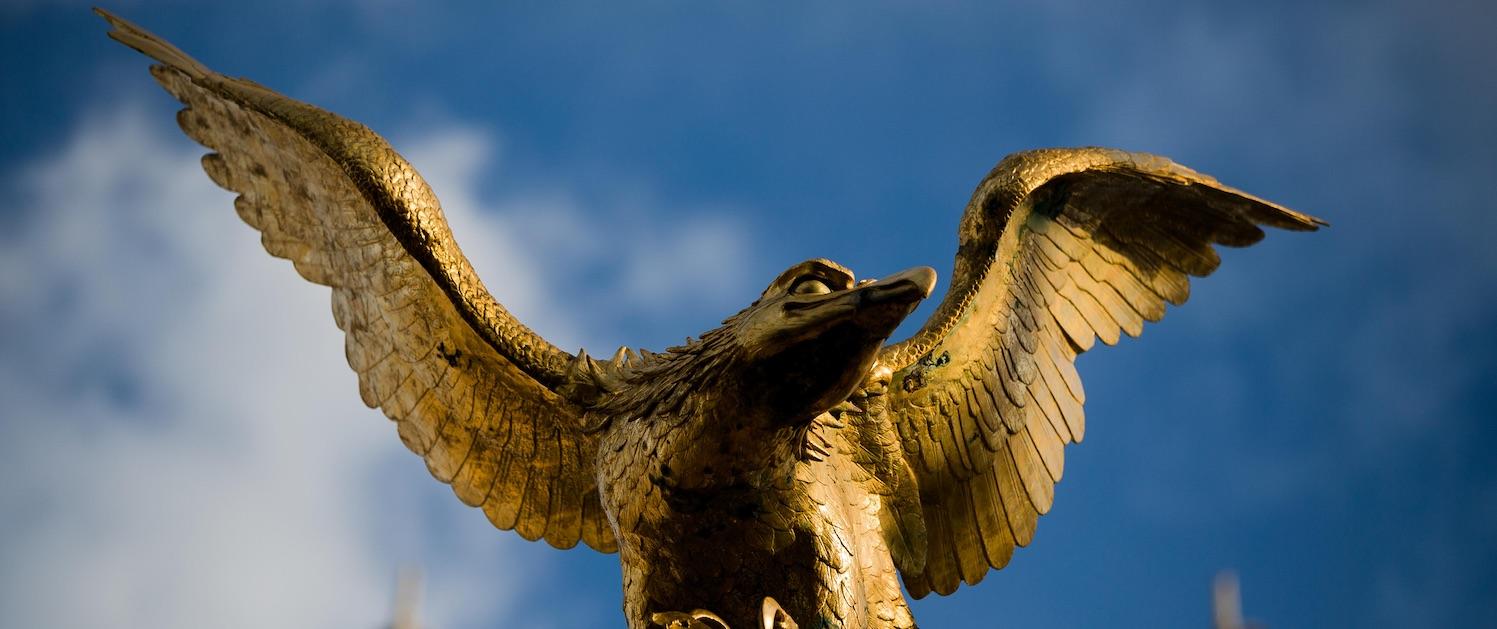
(810, 286)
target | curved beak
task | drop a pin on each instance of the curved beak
(878, 306)
(908, 285)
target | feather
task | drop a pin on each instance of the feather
(1077, 329)
(941, 564)
(1062, 359)
(537, 503)
(507, 496)
(475, 479)
(1017, 372)
(1140, 298)
(980, 404)
(972, 560)
(1000, 406)
(1118, 311)
(1047, 443)
(1052, 255)
(1195, 258)
(918, 585)
(992, 525)
(564, 519)
(1051, 235)
(966, 429)
(947, 437)
(1040, 395)
(1037, 483)
(1096, 317)
(1016, 504)
(453, 441)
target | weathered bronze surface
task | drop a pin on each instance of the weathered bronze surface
(788, 454)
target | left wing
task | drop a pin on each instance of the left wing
(1058, 247)
(488, 403)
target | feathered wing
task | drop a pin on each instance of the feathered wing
(472, 390)
(1058, 247)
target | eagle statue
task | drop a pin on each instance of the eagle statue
(787, 467)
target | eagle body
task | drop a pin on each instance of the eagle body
(716, 459)
(794, 540)
(790, 466)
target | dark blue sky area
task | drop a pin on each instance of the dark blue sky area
(1318, 417)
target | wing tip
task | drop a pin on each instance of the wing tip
(148, 44)
(1290, 220)
(1312, 223)
(1281, 217)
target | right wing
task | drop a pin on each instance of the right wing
(1057, 248)
(477, 394)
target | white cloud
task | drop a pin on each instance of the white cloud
(169, 408)
(182, 443)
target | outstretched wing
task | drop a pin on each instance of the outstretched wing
(1058, 247)
(472, 390)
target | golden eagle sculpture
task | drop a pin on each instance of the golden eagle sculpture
(787, 467)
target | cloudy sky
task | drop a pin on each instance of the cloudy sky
(182, 446)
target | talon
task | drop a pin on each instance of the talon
(772, 616)
(697, 619)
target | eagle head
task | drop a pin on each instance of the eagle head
(763, 375)
(815, 332)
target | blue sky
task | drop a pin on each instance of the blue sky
(181, 445)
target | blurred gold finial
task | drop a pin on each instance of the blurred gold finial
(1226, 603)
(407, 599)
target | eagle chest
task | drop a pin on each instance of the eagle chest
(767, 532)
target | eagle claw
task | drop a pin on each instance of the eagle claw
(771, 616)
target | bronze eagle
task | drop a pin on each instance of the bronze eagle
(786, 467)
